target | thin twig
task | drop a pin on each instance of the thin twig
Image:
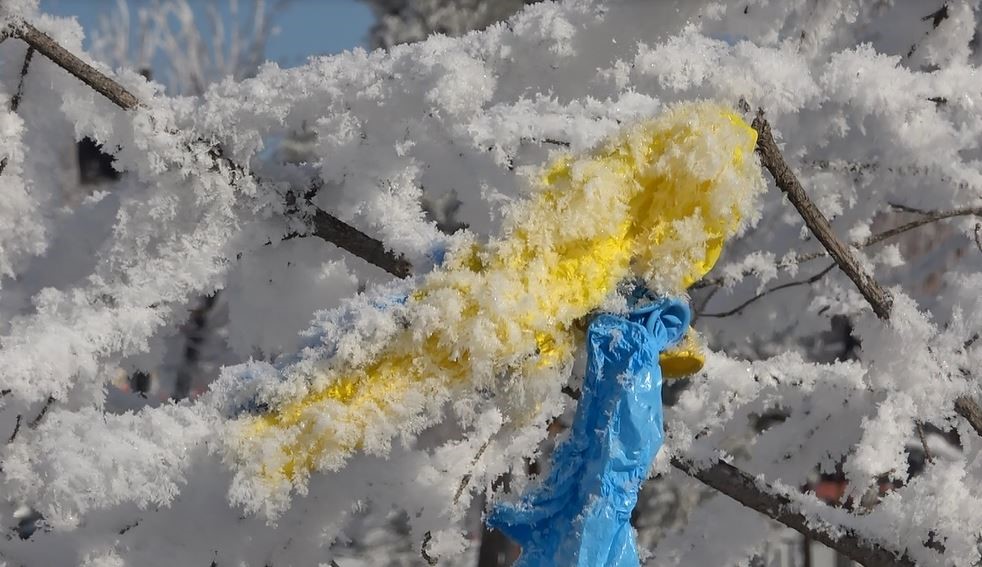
(424, 552)
(787, 182)
(920, 434)
(908, 209)
(44, 411)
(16, 430)
(701, 307)
(15, 100)
(928, 218)
(466, 479)
(129, 526)
(759, 496)
(768, 291)
(936, 17)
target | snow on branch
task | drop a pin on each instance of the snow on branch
(787, 182)
(722, 477)
(878, 298)
(80, 69)
(326, 225)
(799, 385)
(757, 495)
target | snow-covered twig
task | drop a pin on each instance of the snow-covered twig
(969, 409)
(336, 231)
(19, 95)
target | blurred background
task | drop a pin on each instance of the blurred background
(298, 28)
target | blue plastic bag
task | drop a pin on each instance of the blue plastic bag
(581, 513)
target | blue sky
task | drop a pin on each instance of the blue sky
(307, 27)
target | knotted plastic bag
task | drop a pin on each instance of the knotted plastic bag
(581, 513)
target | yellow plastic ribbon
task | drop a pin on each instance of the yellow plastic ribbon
(657, 204)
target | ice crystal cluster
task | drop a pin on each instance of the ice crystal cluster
(875, 105)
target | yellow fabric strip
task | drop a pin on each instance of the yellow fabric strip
(658, 203)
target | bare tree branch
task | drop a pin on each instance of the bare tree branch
(424, 550)
(936, 17)
(16, 429)
(466, 479)
(40, 416)
(920, 434)
(907, 208)
(19, 95)
(758, 496)
(927, 218)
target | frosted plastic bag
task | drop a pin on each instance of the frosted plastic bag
(580, 514)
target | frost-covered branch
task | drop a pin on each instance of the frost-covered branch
(15, 100)
(343, 235)
(756, 494)
(86, 73)
(970, 410)
(784, 177)
(326, 225)
(928, 217)
(479, 117)
(878, 298)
